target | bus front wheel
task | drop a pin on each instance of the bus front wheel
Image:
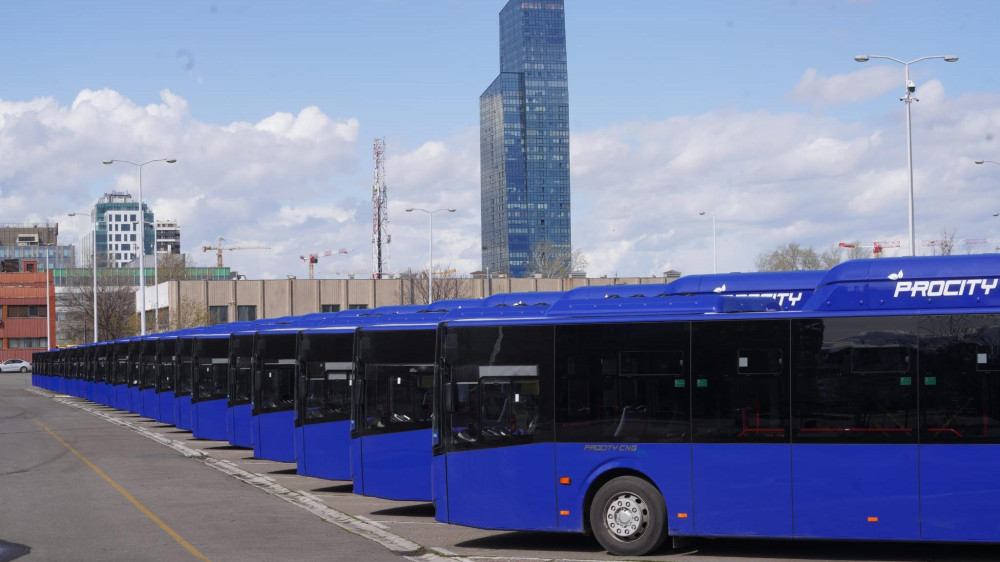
(628, 516)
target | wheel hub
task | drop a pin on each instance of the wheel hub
(626, 516)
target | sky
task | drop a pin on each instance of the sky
(754, 112)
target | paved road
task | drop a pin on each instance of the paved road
(141, 498)
(61, 508)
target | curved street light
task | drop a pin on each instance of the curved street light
(93, 219)
(908, 99)
(142, 243)
(430, 266)
(987, 161)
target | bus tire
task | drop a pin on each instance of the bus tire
(628, 516)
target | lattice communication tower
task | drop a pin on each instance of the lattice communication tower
(380, 215)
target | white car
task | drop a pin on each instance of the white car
(15, 365)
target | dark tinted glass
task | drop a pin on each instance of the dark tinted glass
(622, 383)
(323, 393)
(854, 380)
(497, 386)
(960, 379)
(396, 375)
(740, 381)
(277, 388)
(165, 376)
(240, 365)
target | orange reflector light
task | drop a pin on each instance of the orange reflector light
(873, 519)
(564, 512)
(565, 480)
(682, 515)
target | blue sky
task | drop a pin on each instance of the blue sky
(754, 110)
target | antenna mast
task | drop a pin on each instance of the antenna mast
(380, 216)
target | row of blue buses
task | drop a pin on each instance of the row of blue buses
(859, 403)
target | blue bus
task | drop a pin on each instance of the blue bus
(272, 414)
(146, 373)
(870, 412)
(210, 367)
(391, 399)
(102, 378)
(322, 418)
(184, 383)
(165, 373)
(118, 360)
(239, 381)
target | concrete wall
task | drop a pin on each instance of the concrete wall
(295, 297)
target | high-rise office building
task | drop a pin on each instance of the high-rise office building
(118, 222)
(524, 141)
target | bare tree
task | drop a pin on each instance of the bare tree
(945, 245)
(856, 251)
(188, 314)
(173, 267)
(792, 257)
(447, 286)
(553, 262)
(116, 316)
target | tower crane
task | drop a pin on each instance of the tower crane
(219, 248)
(313, 258)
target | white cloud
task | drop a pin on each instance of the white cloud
(855, 86)
(774, 178)
(301, 182)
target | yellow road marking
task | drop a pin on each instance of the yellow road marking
(127, 495)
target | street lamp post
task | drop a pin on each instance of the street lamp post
(430, 267)
(93, 219)
(908, 99)
(156, 276)
(715, 262)
(142, 244)
(987, 161)
(48, 304)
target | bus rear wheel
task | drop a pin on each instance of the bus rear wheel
(628, 516)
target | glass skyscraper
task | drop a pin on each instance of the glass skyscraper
(524, 141)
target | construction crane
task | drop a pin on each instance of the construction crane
(313, 258)
(219, 248)
(877, 247)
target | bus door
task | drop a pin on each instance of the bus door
(623, 403)
(741, 457)
(501, 462)
(855, 457)
(960, 427)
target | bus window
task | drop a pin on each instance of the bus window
(740, 381)
(623, 383)
(960, 379)
(499, 387)
(855, 380)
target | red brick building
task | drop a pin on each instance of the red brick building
(23, 312)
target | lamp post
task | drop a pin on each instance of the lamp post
(142, 244)
(156, 275)
(715, 263)
(908, 99)
(430, 267)
(987, 161)
(93, 218)
(48, 307)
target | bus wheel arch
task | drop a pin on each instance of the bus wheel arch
(626, 513)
